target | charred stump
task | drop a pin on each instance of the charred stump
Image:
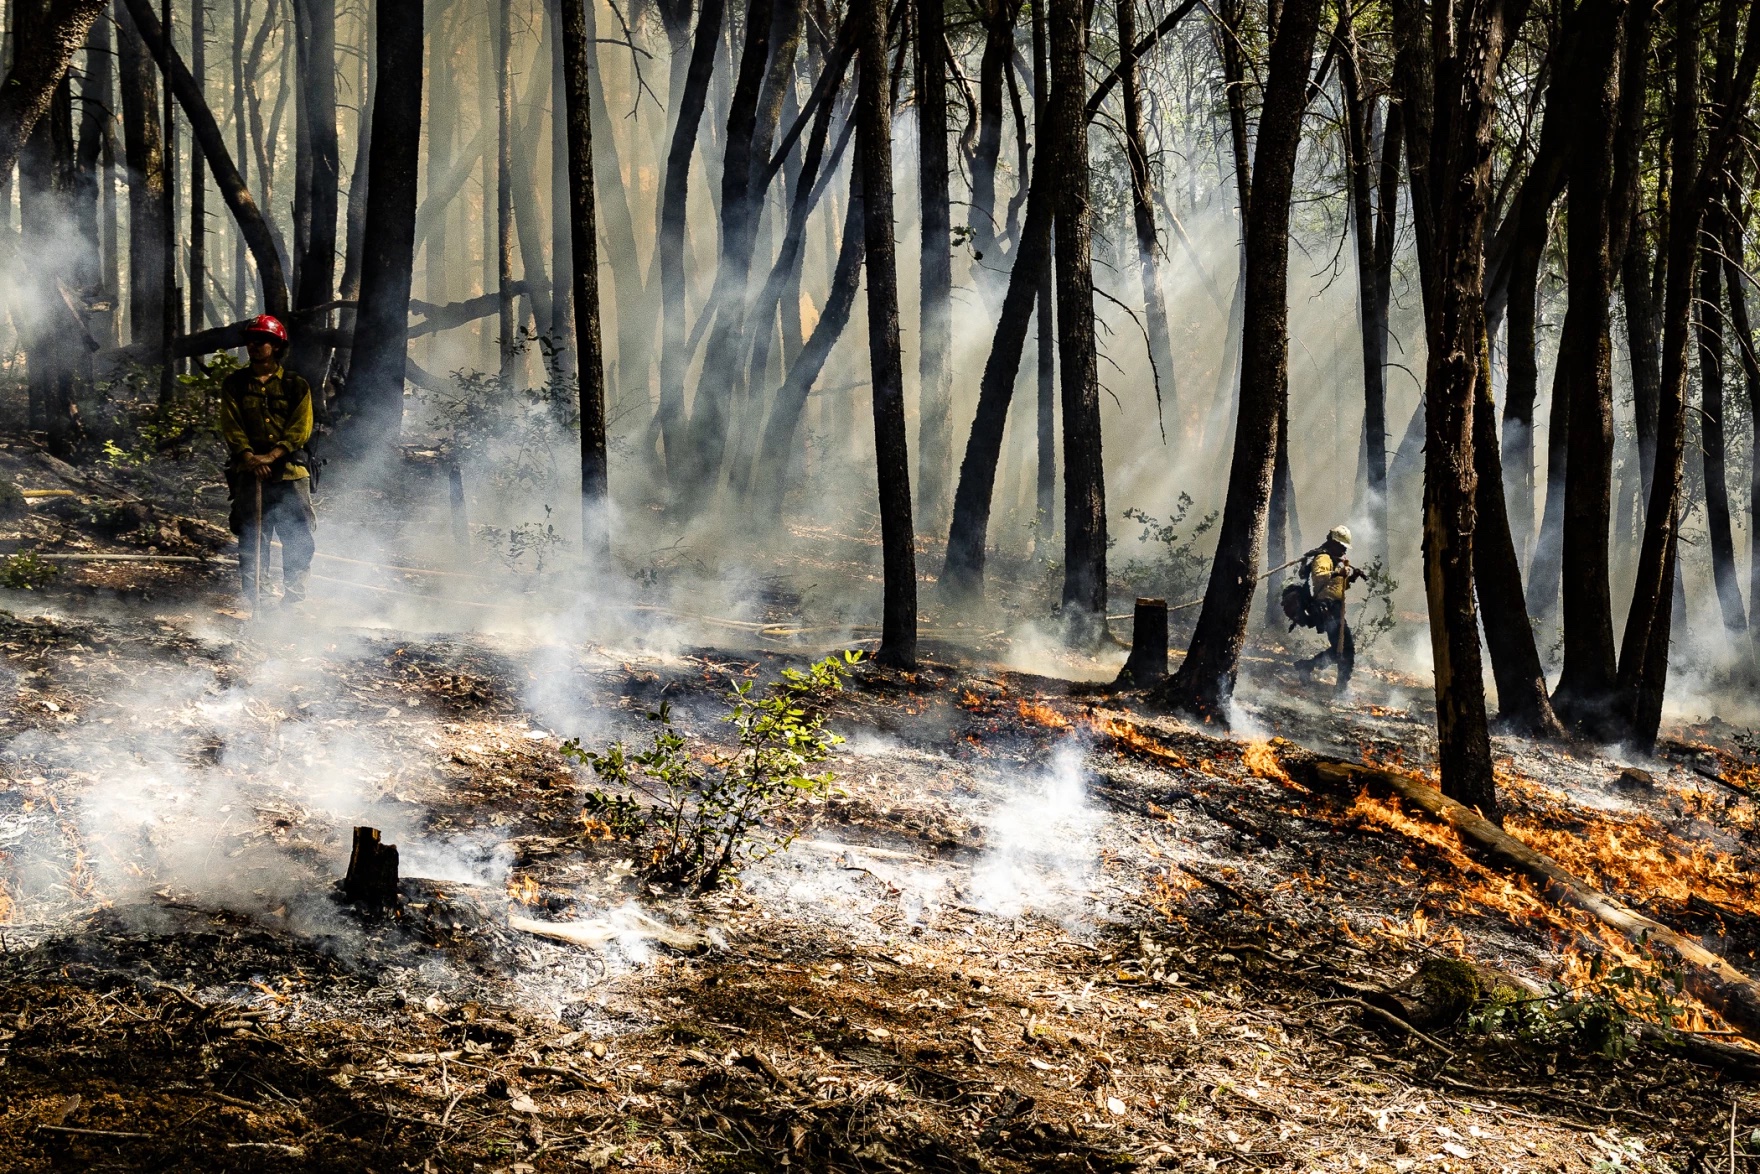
(1147, 664)
(372, 871)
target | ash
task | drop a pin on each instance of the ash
(1034, 929)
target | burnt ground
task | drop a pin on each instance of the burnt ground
(1034, 929)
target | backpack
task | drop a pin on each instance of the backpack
(1298, 596)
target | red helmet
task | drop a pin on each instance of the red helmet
(266, 326)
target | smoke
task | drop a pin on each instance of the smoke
(1043, 845)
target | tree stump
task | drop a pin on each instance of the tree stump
(1148, 660)
(372, 871)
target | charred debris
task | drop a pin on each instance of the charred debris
(711, 732)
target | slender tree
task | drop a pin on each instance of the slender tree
(30, 83)
(935, 260)
(577, 63)
(1205, 680)
(898, 638)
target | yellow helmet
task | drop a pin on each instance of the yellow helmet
(1340, 535)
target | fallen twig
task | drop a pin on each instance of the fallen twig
(1392, 1020)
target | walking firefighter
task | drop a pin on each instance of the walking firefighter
(1317, 600)
(266, 419)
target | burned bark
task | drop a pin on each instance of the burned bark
(577, 60)
(1711, 430)
(1446, 75)
(898, 638)
(1204, 683)
(1084, 471)
(376, 370)
(935, 260)
(1585, 374)
(1143, 216)
(372, 871)
(144, 158)
(31, 82)
(316, 263)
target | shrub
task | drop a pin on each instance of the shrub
(706, 815)
(26, 572)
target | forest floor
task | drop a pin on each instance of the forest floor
(1036, 928)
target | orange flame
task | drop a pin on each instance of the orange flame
(523, 889)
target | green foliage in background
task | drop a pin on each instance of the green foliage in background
(705, 815)
(147, 430)
(1176, 568)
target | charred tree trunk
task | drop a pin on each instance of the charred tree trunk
(898, 639)
(240, 149)
(1643, 333)
(577, 58)
(1084, 472)
(935, 259)
(670, 245)
(1523, 706)
(501, 20)
(30, 83)
(355, 220)
(198, 185)
(377, 366)
(561, 327)
(94, 117)
(1585, 375)
(1204, 682)
(1447, 73)
(1045, 415)
(316, 265)
(1143, 215)
(144, 157)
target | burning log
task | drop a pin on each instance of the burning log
(1148, 660)
(1719, 985)
(372, 871)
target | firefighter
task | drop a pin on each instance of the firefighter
(1329, 574)
(266, 419)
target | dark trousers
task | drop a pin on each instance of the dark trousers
(1341, 646)
(287, 515)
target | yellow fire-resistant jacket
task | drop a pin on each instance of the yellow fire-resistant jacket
(1327, 579)
(259, 417)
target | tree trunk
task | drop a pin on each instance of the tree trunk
(670, 245)
(962, 576)
(1522, 704)
(1643, 333)
(94, 115)
(562, 305)
(240, 149)
(444, 163)
(1143, 217)
(1045, 324)
(1585, 691)
(935, 259)
(578, 61)
(245, 212)
(898, 639)
(1447, 89)
(1205, 680)
(1084, 472)
(1711, 434)
(501, 21)
(143, 154)
(377, 367)
(30, 83)
(316, 264)
(198, 186)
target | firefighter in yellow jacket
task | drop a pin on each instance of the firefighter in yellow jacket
(266, 419)
(1329, 574)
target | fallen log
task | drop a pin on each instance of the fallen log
(1709, 978)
